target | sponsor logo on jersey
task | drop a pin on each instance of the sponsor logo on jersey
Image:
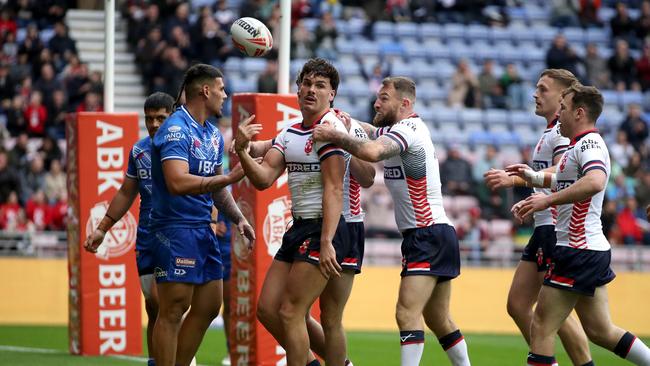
(393, 172)
(563, 184)
(174, 128)
(539, 165)
(303, 167)
(185, 262)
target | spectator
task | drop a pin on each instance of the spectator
(223, 15)
(333, 7)
(77, 83)
(95, 82)
(635, 127)
(512, 83)
(33, 179)
(623, 27)
(7, 23)
(379, 71)
(36, 115)
(211, 46)
(38, 211)
(10, 49)
(56, 10)
(643, 23)
(91, 103)
(23, 224)
(325, 38)
(627, 223)
(32, 44)
(9, 210)
(564, 13)
(633, 167)
(149, 54)
(25, 14)
(301, 41)
(22, 68)
(9, 179)
(464, 87)
(25, 88)
(596, 68)
(18, 157)
(622, 68)
(61, 43)
(267, 82)
(47, 84)
(621, 151)
(456, 173)
(179, 19)
(621, 189)
(588, 13)
(16, 122)
(489, 87)
(608, 219)
(7, 86)
(173, 69)
(561, 55)
(643, 68)
(398, 10)
(44, 58)
(50, 152)
(181, 40)
(55, 182)
(642, 190)
(59, 212)
(299, 9)
(141, 24)
(56, 116)
(474, 235)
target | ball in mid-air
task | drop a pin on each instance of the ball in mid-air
(251, 36)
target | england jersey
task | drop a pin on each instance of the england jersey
(413, 176)
(139, 168)
(352, 211)
(302, 157)
(182, 138)
(578, 224)
(550, 145)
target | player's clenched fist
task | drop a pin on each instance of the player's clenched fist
(94, 240)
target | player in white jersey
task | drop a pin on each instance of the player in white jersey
(430, 253)
(580, 266)
(536, 256)
(314, 248)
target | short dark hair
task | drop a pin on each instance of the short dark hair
(196, 75)
(564, 78)
(319, 67)
(404, 86)
(587, 97)
(159, 100)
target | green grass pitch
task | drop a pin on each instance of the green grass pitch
(47, 346)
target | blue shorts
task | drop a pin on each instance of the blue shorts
(579, 270)
(188, 255)
(540, 247)
(354, 257)
(431, 251)
(224, 248)
(302, 241)
(144, 255)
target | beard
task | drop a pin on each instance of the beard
(385, 119)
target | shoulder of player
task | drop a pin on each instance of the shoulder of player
(591, 140)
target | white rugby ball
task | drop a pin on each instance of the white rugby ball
(251, 36)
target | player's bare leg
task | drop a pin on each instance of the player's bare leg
(148, 286)
(174, 300)
(595, 317)
(226, 315)
(295, 305)
(332, 303)
(553, 307)
(268, 308)
(206, 302)
(438, 319)
(575, 342)
(414, 293)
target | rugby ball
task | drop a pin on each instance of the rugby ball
(251, 37)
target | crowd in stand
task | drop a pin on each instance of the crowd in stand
(43, 83)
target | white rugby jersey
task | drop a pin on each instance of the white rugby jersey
(351, 188)
(578, 224)
(550, 145)
(413, 176)
(302, 157)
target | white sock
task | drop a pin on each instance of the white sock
(639, 353)
(458, 354)
(411, 354)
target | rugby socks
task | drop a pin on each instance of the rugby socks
(151, 362)
(456, 348)
(348, 363)
(590, 363)
(314, 363)
(633, 349)
(412, 346)
(539, 360)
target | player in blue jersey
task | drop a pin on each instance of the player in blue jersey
(157, 108)
(188, 180)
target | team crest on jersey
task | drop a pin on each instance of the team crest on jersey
(539, 144)
(304, 246)
(540, 257)
(563, 162)
(309, 145)
(215, 142)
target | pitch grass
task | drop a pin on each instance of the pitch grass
(365, 348)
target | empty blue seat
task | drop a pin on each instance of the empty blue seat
(453, 31)
(391, 49)
(631, 97)
(496, 116)
(574, 35)
(476, 32)
(430, 30)
(253, 65)
(406, 30)
(383, 28)
(471, 115)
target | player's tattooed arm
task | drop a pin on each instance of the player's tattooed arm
(368, 150)
(369, 128)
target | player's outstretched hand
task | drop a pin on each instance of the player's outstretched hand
(327, 262)
(94, 240)
(522, 171)
(344, 117)
(245, 133)
(324, 132)
(534, 203)
(246, 230)
(497, 178)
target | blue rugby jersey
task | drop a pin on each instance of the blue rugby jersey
(139, 168)
(182, 138)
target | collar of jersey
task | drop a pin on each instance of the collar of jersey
(582, 134)
(187, 113)
(552, 123)
(318, 120)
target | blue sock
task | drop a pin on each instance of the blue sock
(314, 363)
(151, 362)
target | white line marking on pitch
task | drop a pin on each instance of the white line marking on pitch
(59, 352)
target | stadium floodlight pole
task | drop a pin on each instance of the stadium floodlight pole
(285, 46)
(109, 55)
